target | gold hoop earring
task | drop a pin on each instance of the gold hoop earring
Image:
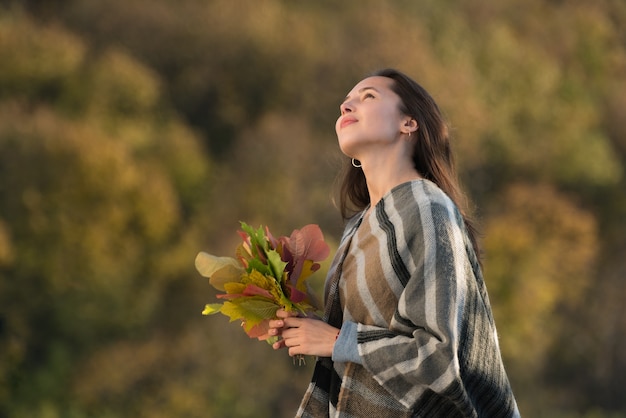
(355, 165)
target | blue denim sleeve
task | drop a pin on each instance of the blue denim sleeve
(346, 348)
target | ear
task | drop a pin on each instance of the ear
(409, 125)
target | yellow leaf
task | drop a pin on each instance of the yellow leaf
(234, 288)
(259, 279)
(306, 272)
(212, 308)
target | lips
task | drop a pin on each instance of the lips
(347, 121)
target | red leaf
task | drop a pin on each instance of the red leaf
(295, 295)
(306, 243)
(252, 290)
(259, 331)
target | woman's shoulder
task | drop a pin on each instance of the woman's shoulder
(418, 200)
(418, 193)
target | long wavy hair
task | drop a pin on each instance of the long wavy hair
(432, 155)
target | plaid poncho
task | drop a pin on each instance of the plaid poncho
(406, 275)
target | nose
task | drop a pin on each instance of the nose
(346, 107)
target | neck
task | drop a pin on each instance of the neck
(382, 175)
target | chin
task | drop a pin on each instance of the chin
(347, 146)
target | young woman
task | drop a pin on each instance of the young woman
(408, 329)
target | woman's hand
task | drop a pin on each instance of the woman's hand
(277, 326)
(303, 335)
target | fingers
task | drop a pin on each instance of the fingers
(276, 323)
(279, 327)
(283, 328)
(293, 350)
(275, 326)
(278, 345)
(291, 344)
(281, 313)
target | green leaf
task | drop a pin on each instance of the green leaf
(258, 265)
(258, 240)
(251, 310)
(271, 340)
(276, 265)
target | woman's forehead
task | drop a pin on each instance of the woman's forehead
(377, 82)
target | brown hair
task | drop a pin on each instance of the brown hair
(432, 155)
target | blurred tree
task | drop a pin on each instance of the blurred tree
(98, 185)
(541, 251)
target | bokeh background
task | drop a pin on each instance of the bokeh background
(135, 133)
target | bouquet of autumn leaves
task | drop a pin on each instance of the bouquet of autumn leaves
(265, 275)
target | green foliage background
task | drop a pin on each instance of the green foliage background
(135, 133)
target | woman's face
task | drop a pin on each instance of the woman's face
(370, 117)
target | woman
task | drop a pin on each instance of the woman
(408, 329)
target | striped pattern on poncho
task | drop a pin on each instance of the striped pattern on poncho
(406, 274)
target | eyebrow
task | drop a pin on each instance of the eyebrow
(361, 91)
